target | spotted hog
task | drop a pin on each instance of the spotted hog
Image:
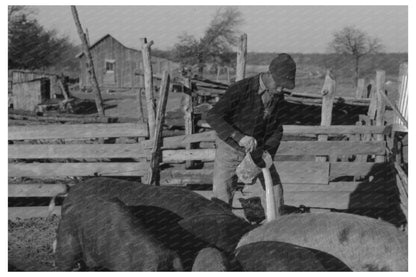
(362, 243)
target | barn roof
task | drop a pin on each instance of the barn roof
(79, 55)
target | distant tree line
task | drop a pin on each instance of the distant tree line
(30, 46)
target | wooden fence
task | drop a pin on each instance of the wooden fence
(327, 166)
(74, 150)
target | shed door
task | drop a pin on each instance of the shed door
(109, 73)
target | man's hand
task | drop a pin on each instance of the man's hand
(249, 143)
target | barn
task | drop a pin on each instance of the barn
(118, 67)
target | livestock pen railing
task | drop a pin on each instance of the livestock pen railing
(327, 166)
(44, 159)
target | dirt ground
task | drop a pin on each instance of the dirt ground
(30, 243)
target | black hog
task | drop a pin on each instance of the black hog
(280, 256)
(105, 235)
(163, 211)
(362, 243)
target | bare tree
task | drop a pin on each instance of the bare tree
(216, 42)
(356, 43)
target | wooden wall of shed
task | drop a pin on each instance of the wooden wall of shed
(27, 95)
(18, 76)
(126, 61)
(128, 65)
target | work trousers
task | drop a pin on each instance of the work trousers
(225, 179)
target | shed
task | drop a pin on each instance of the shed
(117, 66)
(27, 95)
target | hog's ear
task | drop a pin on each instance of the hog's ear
(221, 230)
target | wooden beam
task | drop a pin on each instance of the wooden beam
(62, 87)
(403, 91)
(328, 92)
(241, 58)
(393, 106)
(76, 151)
(341, 169)
(30, 212)
(90, 63)
(35, 190)
(339, 200)
(140, 103)
(290, 172)
(403, 177)
(148, 85)
(60, 131)
(77, 169)
(153, 176)
(328, 130)
(174, 156)
(380, 107)
(359, 93)
(300, 148)
(182, 141)
(188, 109)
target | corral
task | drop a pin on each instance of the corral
(356, 168)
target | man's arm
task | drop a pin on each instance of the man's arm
(223, 109)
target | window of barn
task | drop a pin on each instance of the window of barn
(109, 65)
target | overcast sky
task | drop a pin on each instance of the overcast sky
(305, 29)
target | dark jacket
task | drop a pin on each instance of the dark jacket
(239, 112)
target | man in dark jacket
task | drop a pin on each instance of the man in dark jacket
(246, 120)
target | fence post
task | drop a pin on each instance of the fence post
(188, 110)
(380, 107)
(241, 58)
(148, 85)
(90, 63)
(359, 93)
(328, 93)
(153, 176)
(403, 93)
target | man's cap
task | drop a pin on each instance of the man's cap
(283, 70)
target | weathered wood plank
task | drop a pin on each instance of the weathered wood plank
(359, 93)
(241, 58)
(77, 131)
(341, 169)
(403, 177)
(327, 130)
(332, 130)
(76, 151)
(337, 200)
(148, 84)
(101, 151)
(380, 107)
(90, 63)
(183, 141)
(35, 190)
(77, 169)
(153, 176)
(290, 172)
(29, 212)
(330, 147)
(172, 156)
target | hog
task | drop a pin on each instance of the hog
(163, 211)
(105, 235)
(362, 243)
(280, 256)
